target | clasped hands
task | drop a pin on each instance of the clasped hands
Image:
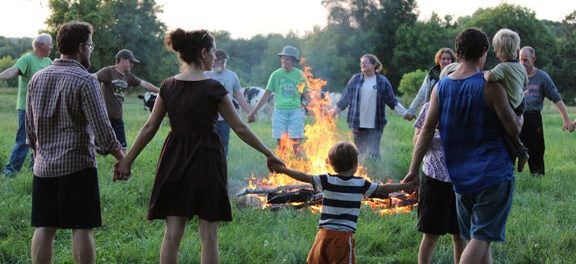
(122, 172)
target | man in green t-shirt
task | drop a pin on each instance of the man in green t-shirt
(24, 68)
(288, 85)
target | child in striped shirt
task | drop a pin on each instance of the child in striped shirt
(343, 194)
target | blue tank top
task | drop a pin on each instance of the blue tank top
(472, 136)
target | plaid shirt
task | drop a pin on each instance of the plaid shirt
(351, 98)
(65, 116)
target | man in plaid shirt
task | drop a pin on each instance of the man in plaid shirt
(65, 119)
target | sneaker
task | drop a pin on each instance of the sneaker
(9, 173)
(522, 159)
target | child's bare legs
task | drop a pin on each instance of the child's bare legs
(521, 150)
(522, 154)
(173, 233)
(208, 232)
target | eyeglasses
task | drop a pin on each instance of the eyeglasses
(90, 46)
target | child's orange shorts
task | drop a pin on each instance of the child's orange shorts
(332, 247)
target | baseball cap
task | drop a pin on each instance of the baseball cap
(127, 54)
(221, 54)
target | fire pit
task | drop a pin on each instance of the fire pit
(303, 196)
(277, 191)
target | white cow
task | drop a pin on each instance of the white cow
(253, 96)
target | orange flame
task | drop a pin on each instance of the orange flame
(320, 135)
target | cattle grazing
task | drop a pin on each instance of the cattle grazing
(149, 98)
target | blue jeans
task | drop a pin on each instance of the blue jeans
(118, 126)
(223, 130)
(483, 215)
(20, 150)
(367, 140)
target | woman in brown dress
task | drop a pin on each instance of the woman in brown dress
(191, 177)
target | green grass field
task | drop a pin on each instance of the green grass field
(541, 227)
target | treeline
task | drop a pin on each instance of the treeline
(386, 28)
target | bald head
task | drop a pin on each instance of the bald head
(527, 58)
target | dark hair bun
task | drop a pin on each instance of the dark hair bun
(177, 40)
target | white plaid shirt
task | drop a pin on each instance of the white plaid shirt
(65, 116)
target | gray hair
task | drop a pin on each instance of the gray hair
(530, 51)
(41, 39)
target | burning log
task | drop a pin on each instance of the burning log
(274, 190)
(305, 196)
(301, 196)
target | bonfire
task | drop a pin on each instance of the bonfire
(277, 190)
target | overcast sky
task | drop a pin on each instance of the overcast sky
(246, 18)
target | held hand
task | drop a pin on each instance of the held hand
(568, 126)
(274, 164)
(251, 117)
(411, 186)
(122, 171)
(410, 177)
(331, 112)
(409, 117)
(277, 168)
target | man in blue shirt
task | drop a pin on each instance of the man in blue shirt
(473, 117)
(540, 86)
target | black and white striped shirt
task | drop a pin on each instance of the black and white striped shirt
(342, 200)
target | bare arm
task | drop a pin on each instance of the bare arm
(495, 94)
(9, 73)
(148, 86)
(384, 189)
(419, 99)
(562, 110)
(242, 101)
(144, 136)
(262, 102)
(226, 109)
(294, 174)
(416, 134)
(488, 76)
(424, 138)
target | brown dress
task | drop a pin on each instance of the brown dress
(191, 177)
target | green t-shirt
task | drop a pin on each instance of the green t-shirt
(514, 77)
(285, 86)
(27, 65)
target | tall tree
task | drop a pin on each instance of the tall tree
(118, 24)
(564, 62)
(523, 20)
(416, 45)
(369, 26)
